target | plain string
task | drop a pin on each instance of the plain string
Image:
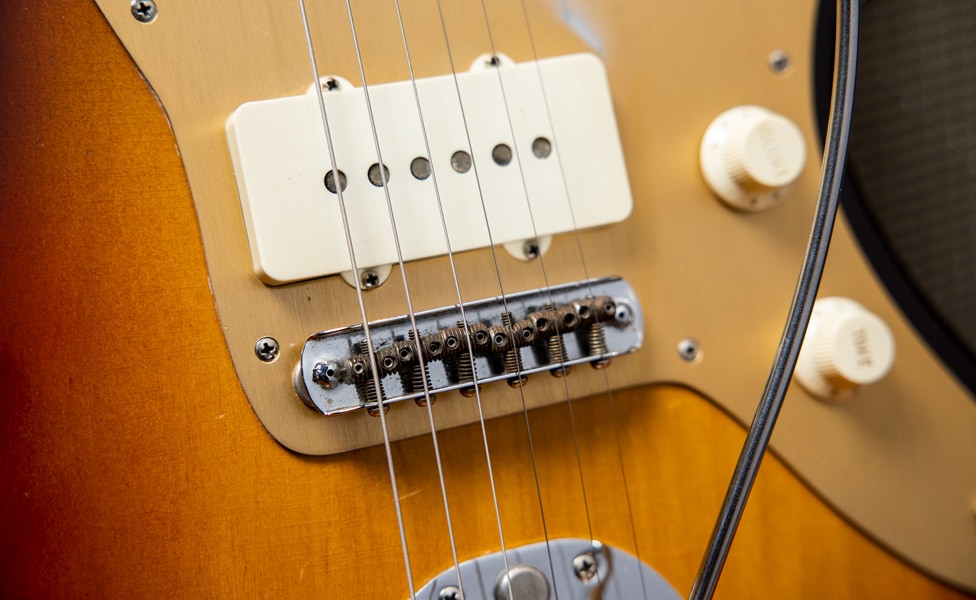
(417, 338)
(542, 264)
(586, 277)
(457, 288)
(504, 299)
(406, 287)
(503, 296)
(359, 297)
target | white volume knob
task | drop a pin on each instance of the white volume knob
(751, 156)
(845, 347)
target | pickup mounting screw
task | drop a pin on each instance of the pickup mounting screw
(267, 349)
(369, 279)
(144, 11)
(584, 566)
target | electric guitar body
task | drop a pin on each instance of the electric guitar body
(147, 451)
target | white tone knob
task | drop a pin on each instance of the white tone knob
(845, 347)
(751, 156)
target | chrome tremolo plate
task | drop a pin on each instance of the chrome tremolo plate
(556, 568)
(549, 329)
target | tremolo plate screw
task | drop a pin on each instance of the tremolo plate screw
(584, 566)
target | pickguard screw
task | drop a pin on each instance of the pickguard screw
(144, 11)
(779, 61)
(584, 566)
(450, 593)
(531, 249)
(267, 349)
(689, 349)
(369, 279)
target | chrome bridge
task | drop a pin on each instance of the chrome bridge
(500, 339)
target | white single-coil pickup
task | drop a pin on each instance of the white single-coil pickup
(294, 223)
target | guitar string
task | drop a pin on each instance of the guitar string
(623, 478)
(586, 276)
(406, 288)
(559, 158)
(545, 275)
(359, 297)
(494, 255)
(454, 277)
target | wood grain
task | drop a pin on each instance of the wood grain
(134, 467)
